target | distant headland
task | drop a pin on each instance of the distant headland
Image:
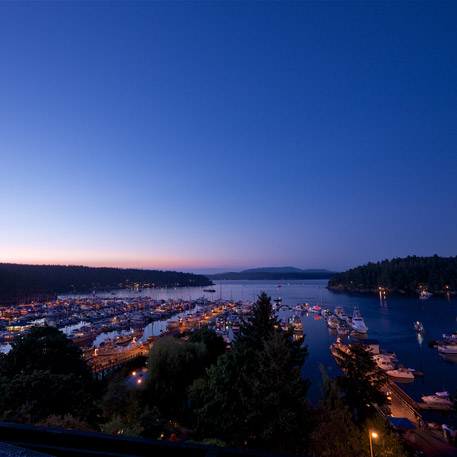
(32, 282)
(410, 275)
(273, 274)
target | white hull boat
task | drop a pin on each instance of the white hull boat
(401, 374)
(440, 398)
(447, 348)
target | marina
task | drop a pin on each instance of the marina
(155, 312)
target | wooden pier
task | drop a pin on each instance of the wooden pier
(105, 364)
(402, 402)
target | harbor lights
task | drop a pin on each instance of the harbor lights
(372, 435)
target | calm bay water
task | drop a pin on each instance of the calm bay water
(389, 320)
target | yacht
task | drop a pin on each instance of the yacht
(384, 362)
(401, 373)
(440, 398)
(358, 323)
(333, 321)
(447, 348)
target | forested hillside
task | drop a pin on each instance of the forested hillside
(408, 275)
(20, 282)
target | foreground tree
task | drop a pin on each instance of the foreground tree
(388, 443)
(254, 396)
(48, 349)
(334, 433)
(30, 398)
(172, 366)
(261, 324)
(278, 409)
(215, 345)
(363, 380)
(43, 374)
(219, 399)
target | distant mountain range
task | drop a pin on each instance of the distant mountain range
(274, 274)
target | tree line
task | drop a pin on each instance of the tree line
(253, 396)
(21, 281)
(403, 275)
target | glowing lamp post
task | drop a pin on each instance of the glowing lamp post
(373, 435)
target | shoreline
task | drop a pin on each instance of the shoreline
(385, 291)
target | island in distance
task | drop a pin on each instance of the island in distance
(273, 274)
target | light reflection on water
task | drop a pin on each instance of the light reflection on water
(389, 319)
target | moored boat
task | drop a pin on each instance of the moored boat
(440, 398)
(401, 373)
(384, 362)
(447, 348)
(333, 321)
(358, 323)
(342, 330)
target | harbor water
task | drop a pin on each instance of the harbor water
(389, 319)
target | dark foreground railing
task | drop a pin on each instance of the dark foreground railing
(71, 443)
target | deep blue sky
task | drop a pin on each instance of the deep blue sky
(197, 134)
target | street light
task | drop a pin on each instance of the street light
(372, 434)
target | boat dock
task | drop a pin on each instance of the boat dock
(401, 404)
(103, 364)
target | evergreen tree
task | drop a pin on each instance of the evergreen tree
(278, 409)
(48, 349)
(43, 374)
(363, 380)
(254, 395)
(260, 325)
(221, 397)
(334, 433)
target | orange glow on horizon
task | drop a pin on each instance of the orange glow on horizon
(42, 256)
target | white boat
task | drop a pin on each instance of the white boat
(333, 321)
(440, 398)
(358, 323)
(400, 373)
(450, 348)
(384, 362)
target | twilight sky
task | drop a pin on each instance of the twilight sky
(227, 134)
